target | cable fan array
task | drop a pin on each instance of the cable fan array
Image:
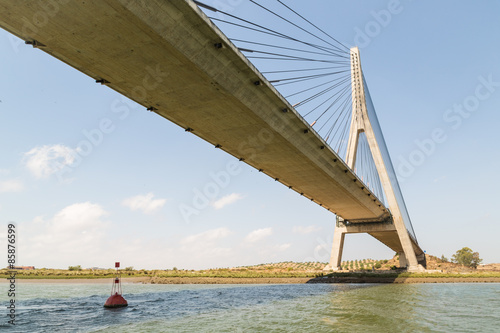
(366, 170)
(308, 66)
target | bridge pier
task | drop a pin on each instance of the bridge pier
(337, 248)
(385, 231)
(402, 259)
(409, 247)
(393, 232)
(380, 230)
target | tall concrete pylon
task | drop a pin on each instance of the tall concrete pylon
(410, 254)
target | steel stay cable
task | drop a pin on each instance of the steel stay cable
(301, 70)
(313, 24)
(299, 59)
(286, 20)
(334, 102)
(319, 85)
(307, 100)
(282, 47)
(286, 83)
(342, 139)
(341, 107)
(307, 76)
(342, 93)
(341, 122)
(275, 54)
(346, 108)
(271, 32)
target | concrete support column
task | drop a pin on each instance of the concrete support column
(402, 259)
(337, 249)
(421, 259)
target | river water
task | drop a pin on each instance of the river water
(257, 308)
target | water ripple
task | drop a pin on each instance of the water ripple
(267, 308)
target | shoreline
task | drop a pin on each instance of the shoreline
(406, 280)
(271, 280)
(143, 280)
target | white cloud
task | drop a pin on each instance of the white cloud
(283, 247)
(227, 200)
(144, 203)
(78, 218)
(206, 236)
(258, 235)
(205, 247)
(38, 219)
(11, 186)
(81, 234)
(305, 230)
(43, 161)
(74, 235)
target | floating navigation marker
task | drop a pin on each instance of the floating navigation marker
(116, 299)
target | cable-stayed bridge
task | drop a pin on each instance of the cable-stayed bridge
(289, 100)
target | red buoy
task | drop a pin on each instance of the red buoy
(116, 299)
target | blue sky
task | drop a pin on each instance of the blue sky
(434, 77)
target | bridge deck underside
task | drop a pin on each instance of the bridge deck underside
(391, 240)
(386, 233)
(162, 55)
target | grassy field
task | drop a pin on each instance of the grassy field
(364, 268)
(232, 273)
(219, 273)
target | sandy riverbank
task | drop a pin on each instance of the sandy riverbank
(170, 280)
(215, 280)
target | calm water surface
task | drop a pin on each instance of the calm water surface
(258, 308)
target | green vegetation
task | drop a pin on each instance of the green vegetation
(281, 270)
(232, 273)
(351, 268)
(62, 274)
(364, 265)
(466, 257)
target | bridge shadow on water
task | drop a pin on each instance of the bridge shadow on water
(393, 276)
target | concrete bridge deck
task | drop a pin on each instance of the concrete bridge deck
(170, 57)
